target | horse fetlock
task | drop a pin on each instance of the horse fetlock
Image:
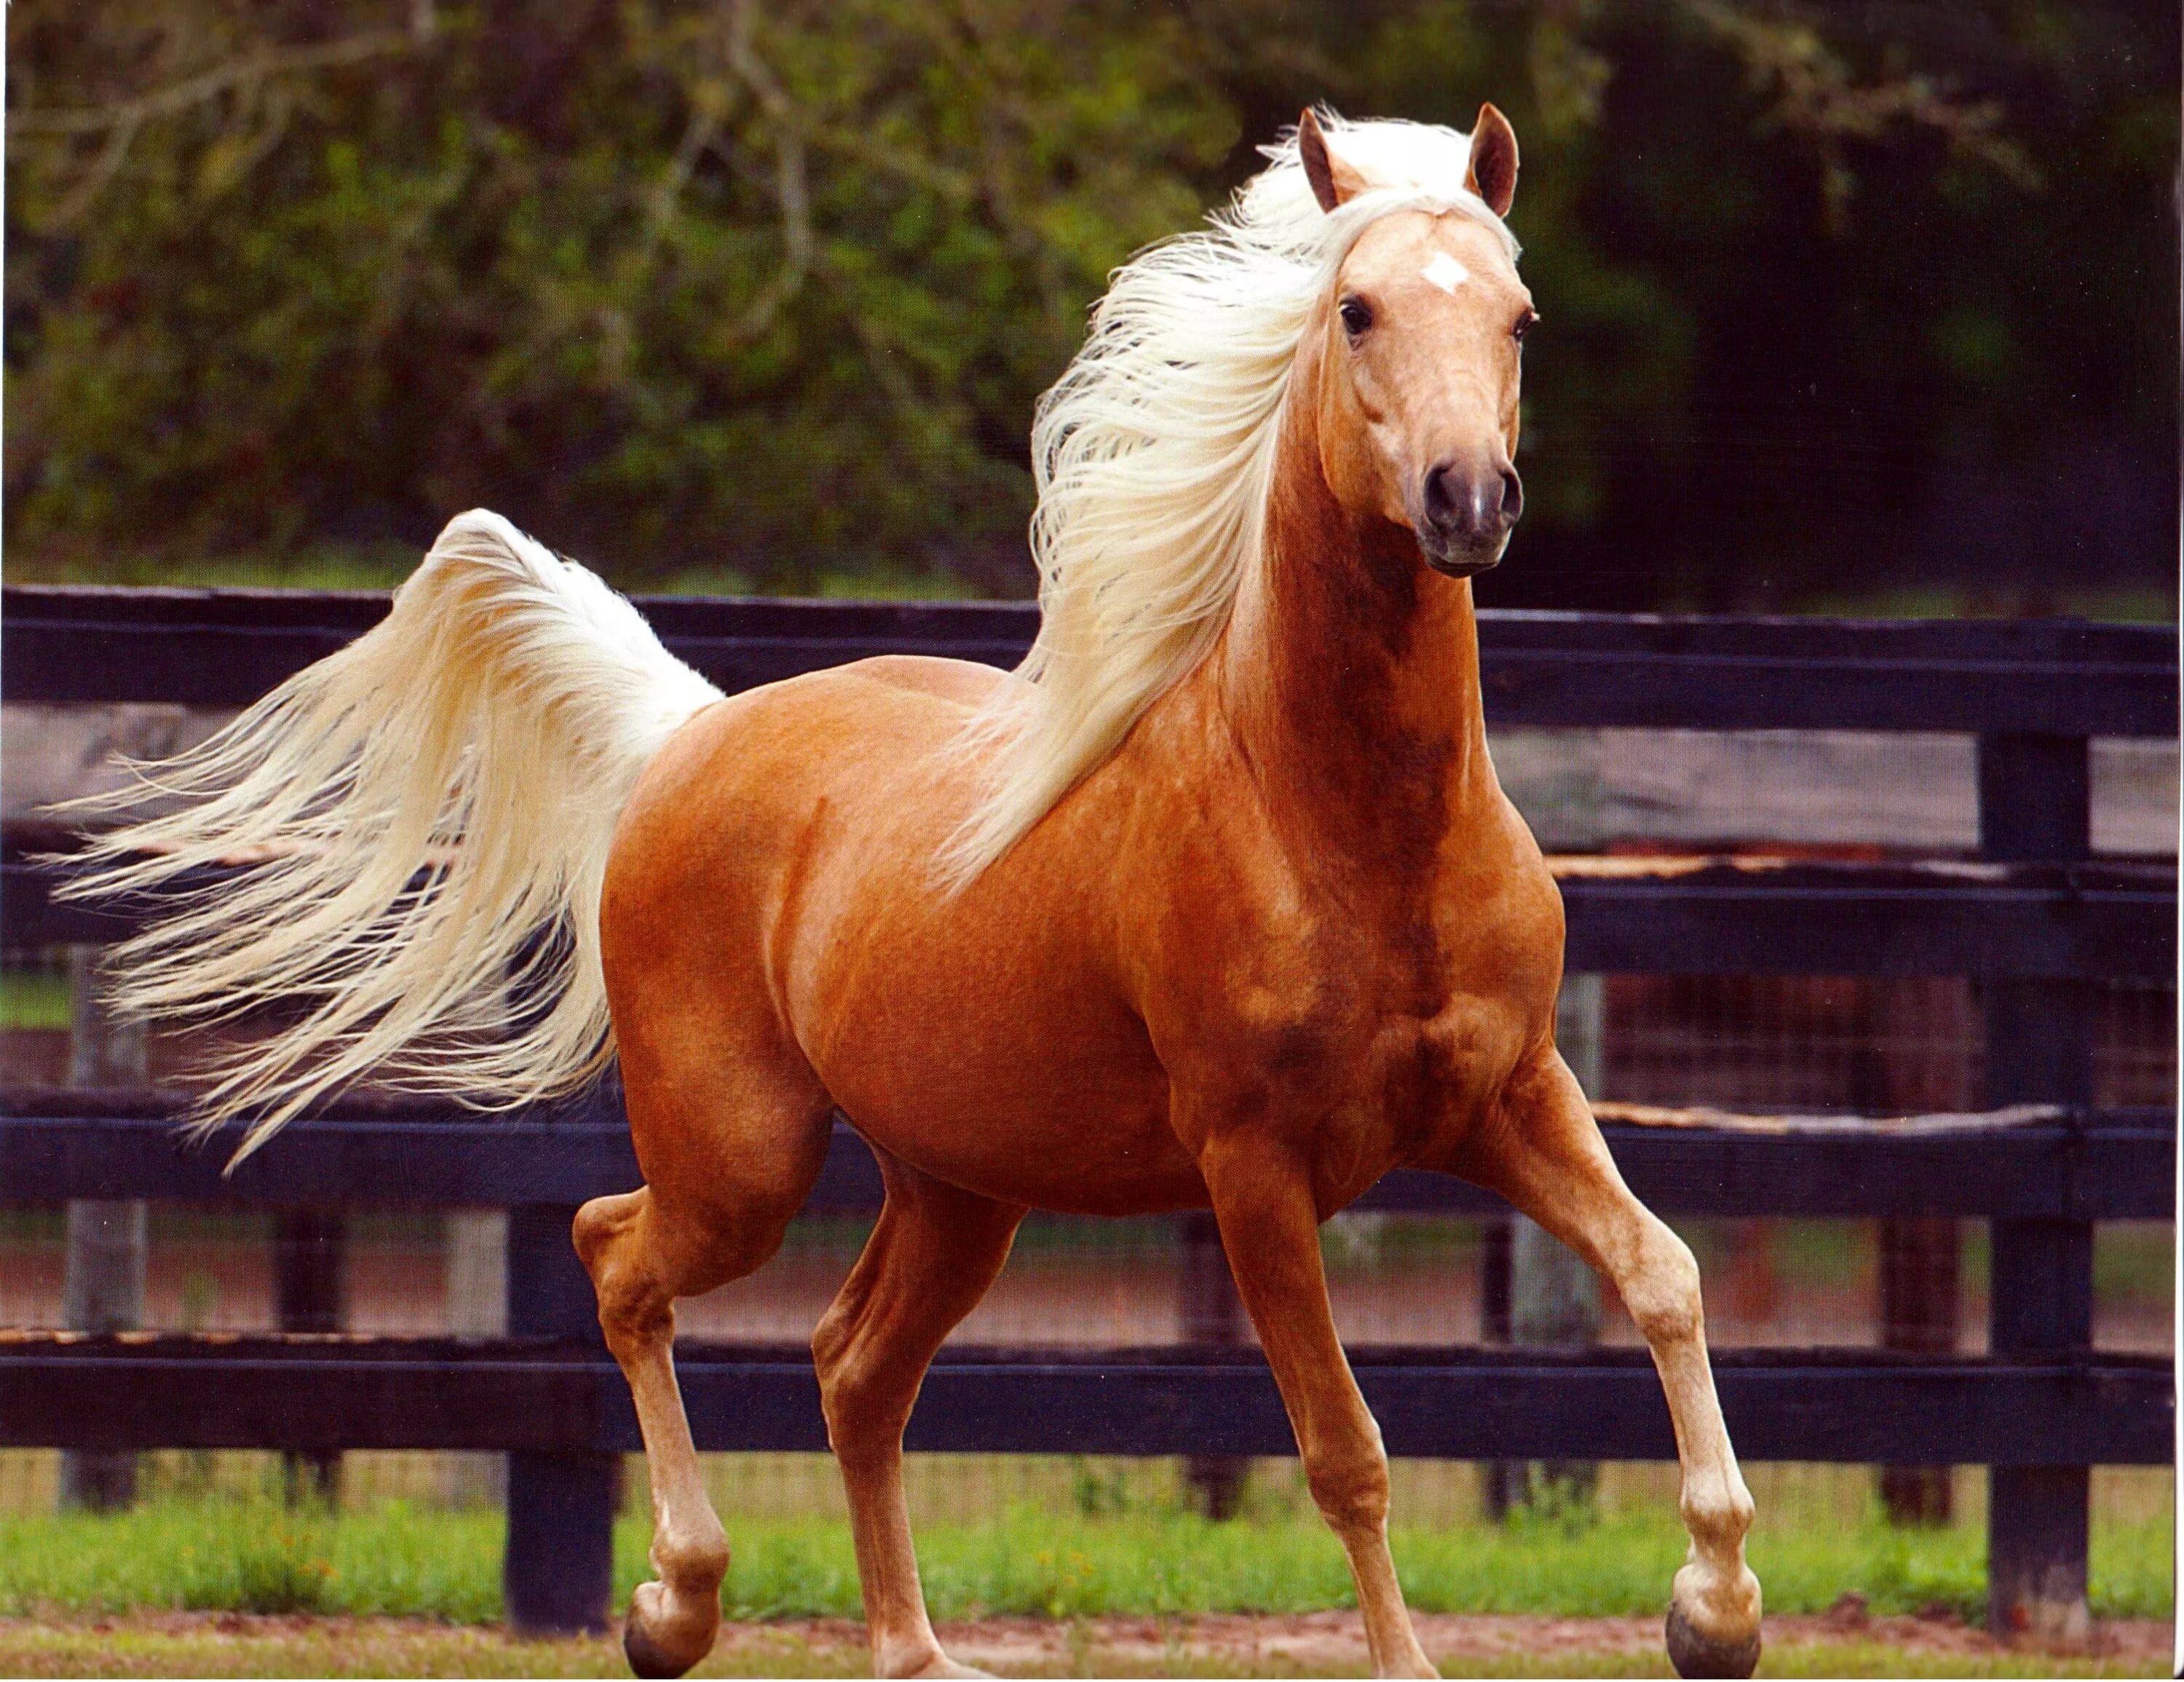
(667, 1630)
(1713, 1624)
(1721, 1606)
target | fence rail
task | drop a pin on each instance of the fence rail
(226, 648)
(543, 1395)
(2033, 919)
(1747, 916)
(2043, 1164)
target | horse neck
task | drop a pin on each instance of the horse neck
(1350, 676)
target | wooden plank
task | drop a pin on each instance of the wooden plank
(2110, 1165)
(1582, 789)
(227, 647)
(1859, 1405)
(2107, 922)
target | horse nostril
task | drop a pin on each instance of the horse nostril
(1440, 502)
(1512, 496)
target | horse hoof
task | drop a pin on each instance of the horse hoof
(646, 1657)
(1694, 1655)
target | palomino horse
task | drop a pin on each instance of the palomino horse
(1218, 902)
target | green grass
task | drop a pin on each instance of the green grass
(253, 1555)
(229, 1555)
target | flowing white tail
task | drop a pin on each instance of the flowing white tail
(426, 815)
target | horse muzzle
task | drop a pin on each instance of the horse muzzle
(1466, 512)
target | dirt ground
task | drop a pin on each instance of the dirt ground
(1843, 1643)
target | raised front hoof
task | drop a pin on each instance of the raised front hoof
(1694, 1655)
(647, 1657)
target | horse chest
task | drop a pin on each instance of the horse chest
(1379, 1031)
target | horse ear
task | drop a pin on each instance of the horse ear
(1332, 182)
(1493, 171)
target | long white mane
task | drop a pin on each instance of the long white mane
(1153, 455)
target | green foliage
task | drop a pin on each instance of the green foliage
(684, 287)
(726, 295)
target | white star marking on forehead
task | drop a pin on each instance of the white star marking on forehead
(1445, 272)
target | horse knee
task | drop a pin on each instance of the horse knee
(1349, 1483)
(1662, 1292)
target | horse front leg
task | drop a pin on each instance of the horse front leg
(1547, 1156)
(1262, 1199)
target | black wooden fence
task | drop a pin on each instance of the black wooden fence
(2036, 922)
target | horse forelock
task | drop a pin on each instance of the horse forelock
(1154, 456)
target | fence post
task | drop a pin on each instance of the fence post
(557, 1577)
(1549, 1297)
(307, 1297)
(1498, 1479)
(2034, 798)
(107, 1242)
(1921, 1256)
(1211, 1312)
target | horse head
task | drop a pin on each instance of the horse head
(1418, 350)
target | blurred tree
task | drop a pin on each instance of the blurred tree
(770, 289)
(673, 285)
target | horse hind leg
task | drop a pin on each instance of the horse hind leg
(709, 1215)
(932, 1256)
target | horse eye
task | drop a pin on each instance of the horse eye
(1357, 316)
(1523, 325)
